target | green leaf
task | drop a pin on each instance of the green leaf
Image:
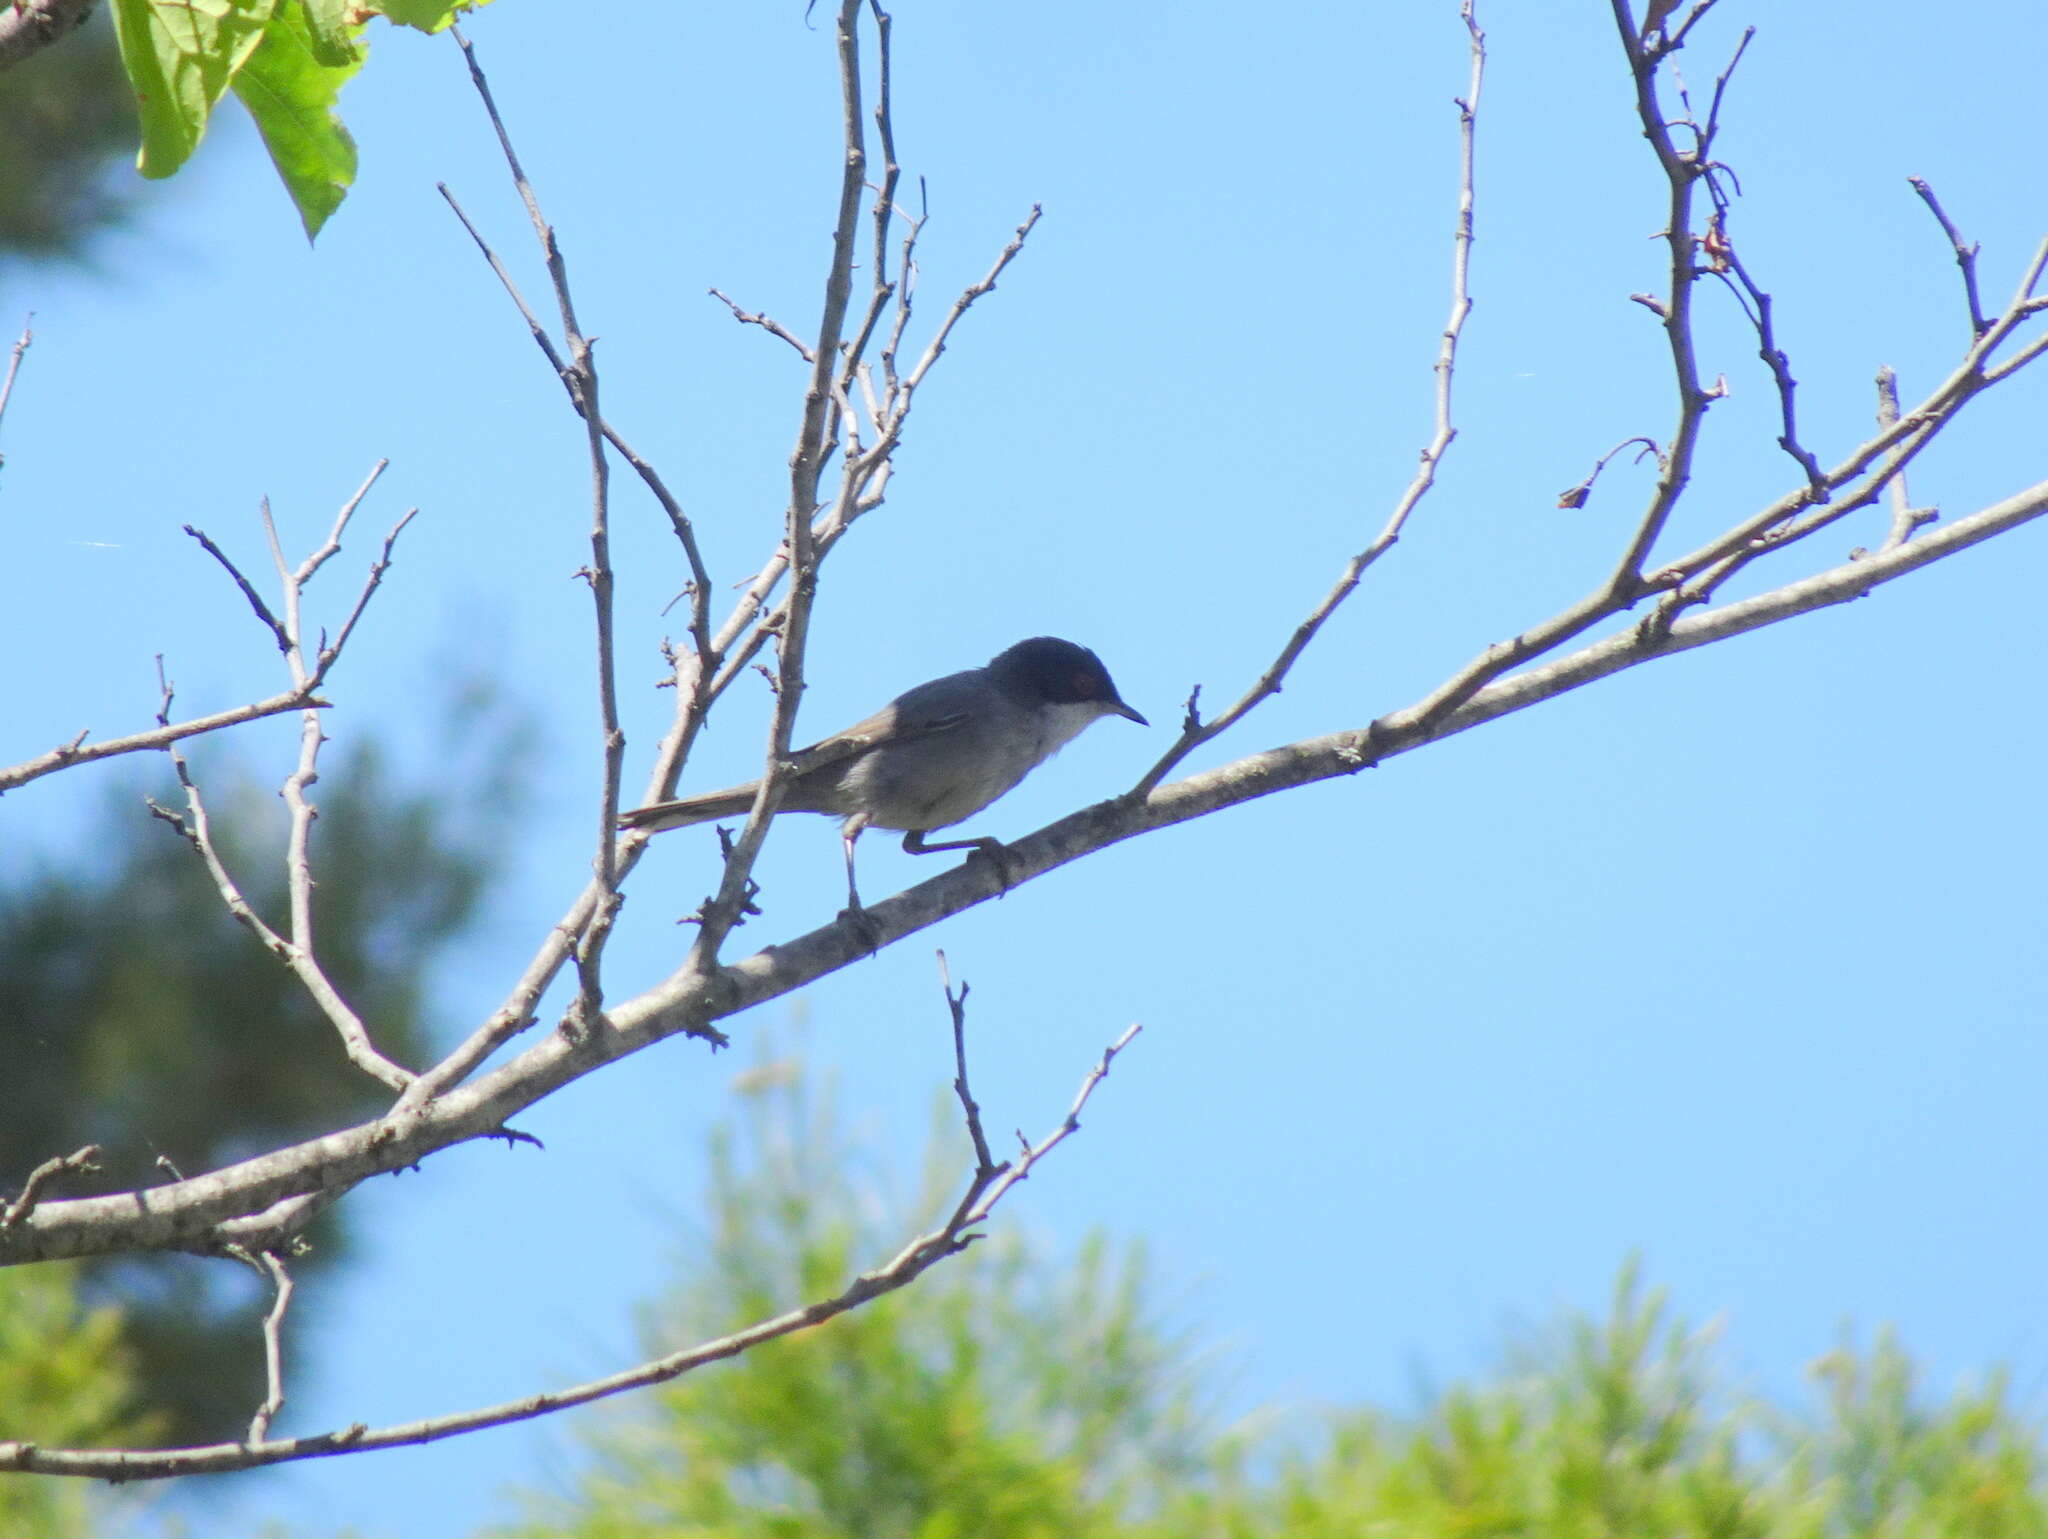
(335, 41)
(425, 15)
(180, 56)
(290, 93)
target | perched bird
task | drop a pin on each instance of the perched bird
(933, 756)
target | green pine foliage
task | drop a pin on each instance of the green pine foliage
(67, 1377)
(993, 1399)
(1009, 1396)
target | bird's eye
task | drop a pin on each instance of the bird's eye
(1084, 687)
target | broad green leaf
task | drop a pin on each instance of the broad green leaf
(425, 15)
(291, 93)
(180, 56)
(335, 40)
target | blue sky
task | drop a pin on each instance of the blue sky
(1734, 961)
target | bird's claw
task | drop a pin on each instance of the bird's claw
(998, 855)
(862, 923)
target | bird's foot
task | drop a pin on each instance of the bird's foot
(856, 917)
(998, 856)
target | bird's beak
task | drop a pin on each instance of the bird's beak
(1120, 709)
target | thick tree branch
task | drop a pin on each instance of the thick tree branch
(186, 1215)
(28, 26)
(24, 1201)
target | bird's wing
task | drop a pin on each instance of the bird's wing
(924, 712)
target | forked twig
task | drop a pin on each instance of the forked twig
(956, 1005)
(31, 1192)
(308, 667)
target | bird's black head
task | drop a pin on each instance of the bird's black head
(1057, 672)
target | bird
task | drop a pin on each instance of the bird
(934, 756)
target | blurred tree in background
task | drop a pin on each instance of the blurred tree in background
(65, 1367)
(136, 1015)
(68, 123)
(996, 1398)
(1014, 1398)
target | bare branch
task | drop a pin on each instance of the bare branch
(581, 380)
(270, 621)
(306, 681)
(1905, 517)
(1725, 263)
(21, 345)
(188, 1214)
(1194, 732)
(1966, 254)
(1675, 40)
(766, 322)
(1574, 497)
(806, 466)
(1681, 171)
(270, 1266)
(899, 397)
(685, 532)
(31, 1192)
(195, 828)
(1694, 578)
(956, 1004)
(987, 1186)
(329, 655)
(78, 751)
(27, 26)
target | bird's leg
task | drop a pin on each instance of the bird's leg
(855, 913)
(994, 849)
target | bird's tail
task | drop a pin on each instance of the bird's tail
(701, 808)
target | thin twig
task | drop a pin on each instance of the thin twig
(1966, 254)
(806, 466)
(1681, 171)
(1860, 478)
(883, 210)
(196, 829)
(22, 344)
(685, 531)
(78, 751)
(1674, 41)
(1756, 305)
(1575, 497)
(900, 395)
(581, 379)
(1195, 732)
(956, 1005)
(270, 621)
(330, 654)
(271, 1266)
(1905, 517)
(299, 951)
(31, 1193)
(766, 322)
